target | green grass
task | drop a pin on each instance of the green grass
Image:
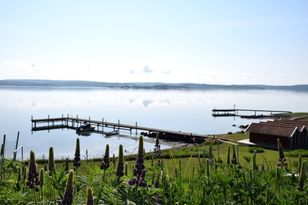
(268, 157)
(298, 115)
(189, 155)
(185, 176)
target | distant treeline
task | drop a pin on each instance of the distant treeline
(154, 86)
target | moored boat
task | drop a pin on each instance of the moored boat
(85, 128)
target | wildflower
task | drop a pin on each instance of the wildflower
(66, 165)
(46, 166)
(234, 159)
(299, 163)
(77, 155)
(282, 162)
(106, 160)
(139, 171)
(157, 149)
(33, 176)
(120, 166)
(157, 181)
(210, 155)
(42, 178)
(262, 168)
(228, 155)
(51, 161)
(18, 182)
(90, 196)
(254, 162)
(113, 160)
(3, 147)
(125, 169)
(69, 192)
(302, 176)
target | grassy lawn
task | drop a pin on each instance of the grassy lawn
(298, 115)
(189, 159)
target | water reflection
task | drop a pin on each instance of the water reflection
(175, 110)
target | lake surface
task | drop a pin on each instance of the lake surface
(172, 109)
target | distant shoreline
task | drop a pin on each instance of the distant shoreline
(62, 84)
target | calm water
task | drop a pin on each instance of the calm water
(176, 110)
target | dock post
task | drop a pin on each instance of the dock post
(62, 121)
(67, 120)
(102, 124)
(118, 125)
(136, 129)
(48, 121)
(31, 121)
(89, 119)
(77, 121)
(16, 146)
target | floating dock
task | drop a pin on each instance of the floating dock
(74, 122)
(248, 113)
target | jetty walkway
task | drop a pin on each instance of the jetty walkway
(248, 113)
(70, 122)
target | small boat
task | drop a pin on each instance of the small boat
(111, 133)
(85, 128)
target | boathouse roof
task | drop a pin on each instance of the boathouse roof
(281, 128)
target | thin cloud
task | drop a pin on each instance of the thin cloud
(166, 72)
(146, 69)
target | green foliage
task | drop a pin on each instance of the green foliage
(192, 180)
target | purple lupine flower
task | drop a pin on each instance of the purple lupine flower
(120, 166)
(77, 155)
(302, 176)
(106, 159)
(33, 176)
(69, 192)
(282, 162)
(51, 161)
(133, 181)
(66, 165)
(157, 149)
(90, 200)
(139, 171)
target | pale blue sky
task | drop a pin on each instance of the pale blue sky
(228, 42)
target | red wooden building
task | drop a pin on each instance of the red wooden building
(293, 134)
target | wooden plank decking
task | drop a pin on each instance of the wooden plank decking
(248, 113)
(75, 122)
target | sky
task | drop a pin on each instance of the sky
(206, 41)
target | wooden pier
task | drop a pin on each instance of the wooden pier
(69, 122)
(248, 113)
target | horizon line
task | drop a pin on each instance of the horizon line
(151, 82)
